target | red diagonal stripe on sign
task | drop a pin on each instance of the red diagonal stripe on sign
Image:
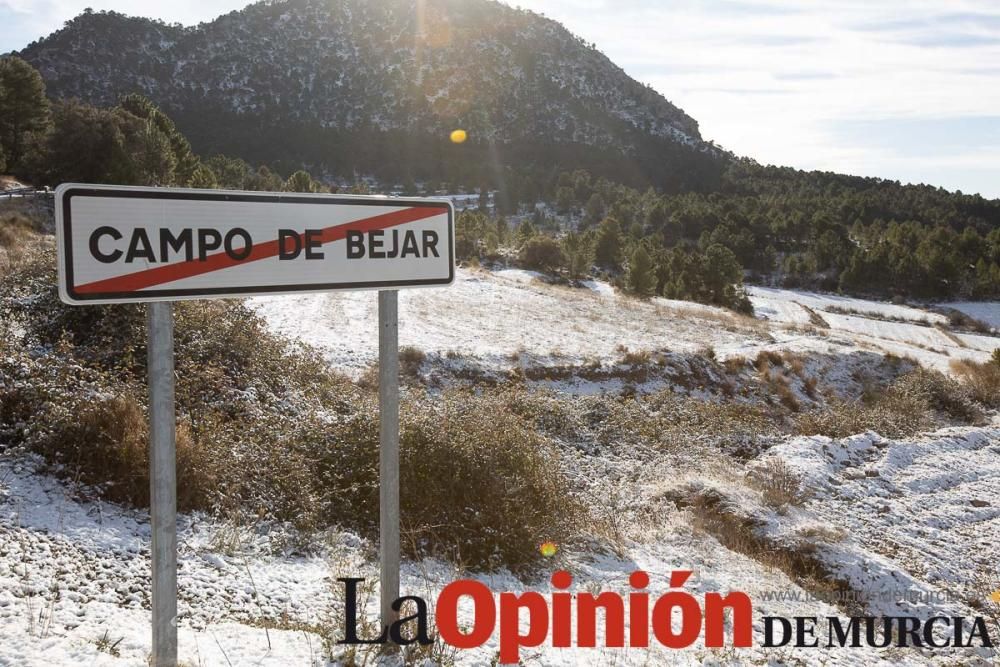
(159, 275)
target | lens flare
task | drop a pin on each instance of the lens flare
(548, 549)
(458, 136)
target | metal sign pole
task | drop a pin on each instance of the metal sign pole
(163, 482)
(388, 401)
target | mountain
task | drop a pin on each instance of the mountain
(376, 86)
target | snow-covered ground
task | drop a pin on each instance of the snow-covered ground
(984, 312)
(919, 516)
(74, 578)
(493, 315)
(902, 330)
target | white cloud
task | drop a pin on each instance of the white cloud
(773, 80)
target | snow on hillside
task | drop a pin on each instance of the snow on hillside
(769, 297)
(920, 515)
(917, 517)
(984, 312)
(492, 315)
(901, 330)
(74, 578)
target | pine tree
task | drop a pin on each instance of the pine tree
(300, 181)
(607, 252)
(484, 197)
(564, 199)
(542, 253)
(185, 161)
(720, 271)
(264, 180)
(641, 277)
(579, 253)
(24, 110)
(204, 178)
(231, 173)
(152, 156)
(525, 232)
(82, 145)
(502, 230)
(594, 212)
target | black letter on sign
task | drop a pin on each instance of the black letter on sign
(314, 239)
(786, 632)
(139, 238)
(430, 243)
(238, 253)
(355, 245)
(182, 241)
(375, 244)
(204, 245)
(95, 248)
(410, 245)
(396, 630)
(296, 246)
(351, 615)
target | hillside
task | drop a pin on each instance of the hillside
(345, 85)
(802, 456)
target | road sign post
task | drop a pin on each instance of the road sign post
(126, 244)
(388, 418)
(162, 482)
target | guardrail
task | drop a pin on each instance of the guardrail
(25, 192)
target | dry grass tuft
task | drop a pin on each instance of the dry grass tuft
(479, 484)
(18, 235)
(765, 359)
(635, 357)
(982, 379)
(778, 484)
(734, 365)
(914, 402)
(108, 446)
(410, 360)
(721, 517)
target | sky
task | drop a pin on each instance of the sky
(902, 89)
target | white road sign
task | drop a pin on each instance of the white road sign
(119, 244)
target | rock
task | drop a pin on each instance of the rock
(980, 503)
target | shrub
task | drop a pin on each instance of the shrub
(18, 233)
(108, 446)
(542, 253)
(846, 418)
(478, 483)
(907, 406)
(981, 379)
(938, 392)
(267, 431)
(410, 360)
(959, 320)
(16, 229)
(765, 359)
(779, 486)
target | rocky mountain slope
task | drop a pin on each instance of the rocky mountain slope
(350, 73)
